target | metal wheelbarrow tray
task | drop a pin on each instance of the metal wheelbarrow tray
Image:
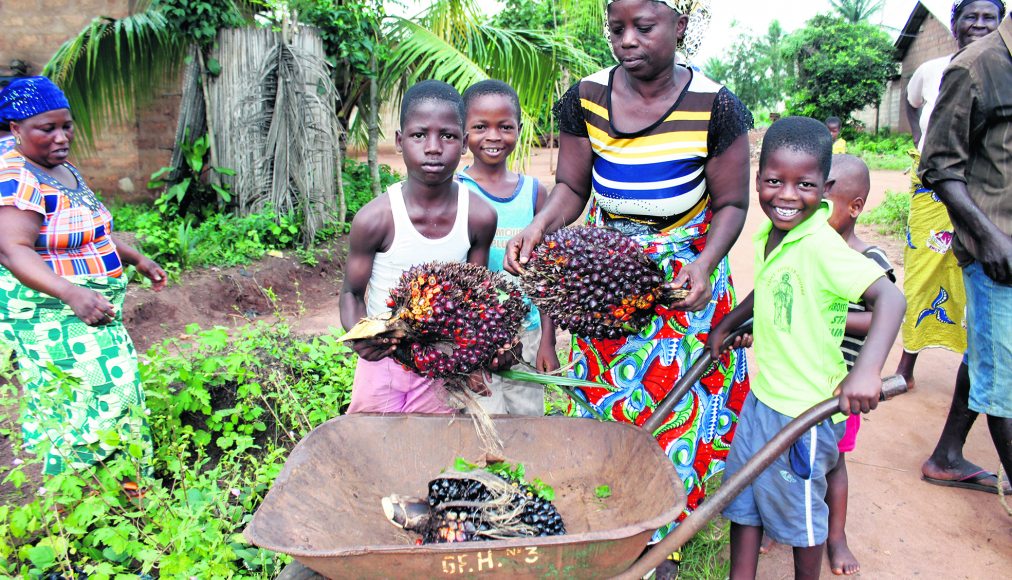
(324, 508)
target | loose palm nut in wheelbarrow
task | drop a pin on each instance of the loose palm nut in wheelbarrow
(474, 506)
(596, 282)
(455, 316)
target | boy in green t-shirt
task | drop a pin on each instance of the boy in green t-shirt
(806, 275)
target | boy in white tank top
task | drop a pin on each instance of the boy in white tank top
(427, 217)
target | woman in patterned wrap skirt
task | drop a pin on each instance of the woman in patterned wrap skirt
(61, 292)
(662, 153)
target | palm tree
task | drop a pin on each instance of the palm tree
(111, 66)
(114, 65)
(451, 41)
(857, 10)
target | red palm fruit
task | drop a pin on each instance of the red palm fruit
(596, 282)
(439, 305)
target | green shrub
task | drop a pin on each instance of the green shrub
(358, 183)
(224, 414)
(891, 215)
(885, 150)
(218, 239)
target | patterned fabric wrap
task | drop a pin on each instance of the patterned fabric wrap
(695, 31)
(933, 281)
(71, 419)
(7, 144)
(75, 237)
(637, 371)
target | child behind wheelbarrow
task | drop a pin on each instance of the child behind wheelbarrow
(851, 185)
(492, 113)
(806, 275)
(427, 217)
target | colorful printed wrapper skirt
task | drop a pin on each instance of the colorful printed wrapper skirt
(83, 399)
(637, 371)
(933, 280)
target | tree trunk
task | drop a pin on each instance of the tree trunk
(212, 148)
(374, 170)
(342, 202)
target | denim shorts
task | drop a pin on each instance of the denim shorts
(788, 499)
(989, 340)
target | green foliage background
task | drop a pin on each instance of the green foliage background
(756, 68)
(224, 413)
(842, 67)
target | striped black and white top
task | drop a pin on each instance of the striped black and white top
(852, 344)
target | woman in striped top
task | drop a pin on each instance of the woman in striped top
(662, 154)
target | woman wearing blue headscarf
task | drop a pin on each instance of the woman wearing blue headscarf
(61, 292)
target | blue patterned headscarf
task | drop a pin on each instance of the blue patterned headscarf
(29, 96)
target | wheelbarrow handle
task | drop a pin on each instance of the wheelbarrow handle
(691, 377)
(730, 488)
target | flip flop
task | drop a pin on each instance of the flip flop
(974, 481)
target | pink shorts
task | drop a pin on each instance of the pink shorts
(385, 386)
(849, 439)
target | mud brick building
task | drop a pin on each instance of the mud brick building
(925, 36)
(125, 155)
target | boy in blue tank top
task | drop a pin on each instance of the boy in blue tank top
(426, 217)
(492, 113)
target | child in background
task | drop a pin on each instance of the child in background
(425, 218)
(805, 277)
(492, 113)
(834, 124)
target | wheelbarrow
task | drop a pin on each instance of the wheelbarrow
(324, 508)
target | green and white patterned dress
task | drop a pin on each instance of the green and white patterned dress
(82, 395)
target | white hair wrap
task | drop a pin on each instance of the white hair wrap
(699, 21)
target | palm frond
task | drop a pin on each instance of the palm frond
(582, 15)
(526, 59)
(111, 67)
(281, 134)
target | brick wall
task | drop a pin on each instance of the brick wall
(125, 155)
(933, 40)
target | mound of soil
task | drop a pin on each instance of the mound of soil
(235, 296)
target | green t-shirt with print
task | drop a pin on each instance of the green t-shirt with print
(801, 294)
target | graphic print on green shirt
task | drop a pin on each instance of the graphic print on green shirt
(783, 302)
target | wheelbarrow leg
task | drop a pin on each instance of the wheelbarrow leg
(729, 489)
(296, 571)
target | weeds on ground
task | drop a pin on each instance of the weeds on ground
(707, 555)
(891, 215)
(219, 239)
(358, 183)
(224, 414)
(884, 151)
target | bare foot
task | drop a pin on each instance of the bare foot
(841, 559)
(905, 368)
(766, 545)
(911, 384)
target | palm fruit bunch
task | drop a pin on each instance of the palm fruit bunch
(458, 316)
(478, 505)
(596, 282)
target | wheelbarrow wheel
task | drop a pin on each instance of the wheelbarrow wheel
(296, 571)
